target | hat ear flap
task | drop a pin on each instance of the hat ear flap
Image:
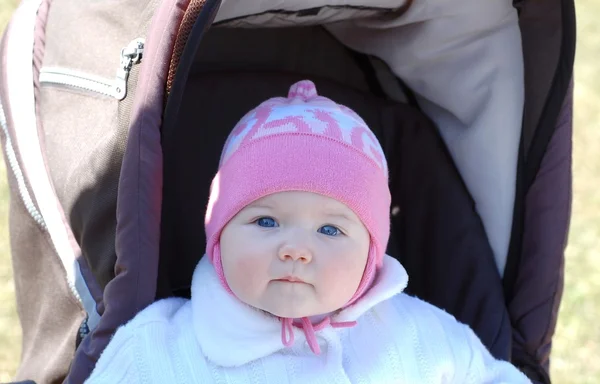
(215, 258)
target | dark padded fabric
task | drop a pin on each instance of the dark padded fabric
(441, 240)
(540, 279)
(311, 51)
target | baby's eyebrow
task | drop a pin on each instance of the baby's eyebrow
(341, 216)
(260, 205)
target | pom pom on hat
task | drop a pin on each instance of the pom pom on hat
(304, 90)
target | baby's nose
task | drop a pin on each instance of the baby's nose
(291, 252)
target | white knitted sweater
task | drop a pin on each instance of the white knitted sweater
(214, 338)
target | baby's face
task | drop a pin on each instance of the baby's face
(295, 254)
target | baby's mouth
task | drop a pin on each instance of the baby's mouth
(291, 279)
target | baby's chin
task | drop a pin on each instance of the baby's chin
(293, 304)
(291, 314)
(296, 312)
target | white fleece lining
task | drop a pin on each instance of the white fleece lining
(464, 61)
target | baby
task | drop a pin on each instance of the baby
(295, 286)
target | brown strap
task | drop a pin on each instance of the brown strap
(185, 28)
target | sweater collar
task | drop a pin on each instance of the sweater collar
(232, 333)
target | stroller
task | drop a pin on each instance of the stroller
(113, 119)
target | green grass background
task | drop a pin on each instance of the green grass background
(576, 352)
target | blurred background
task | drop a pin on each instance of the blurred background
(576, 353)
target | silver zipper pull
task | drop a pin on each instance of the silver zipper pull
(130, 55)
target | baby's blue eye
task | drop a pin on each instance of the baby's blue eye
(329, 230)
(267, 222)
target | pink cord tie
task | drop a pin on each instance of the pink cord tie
(287, 331)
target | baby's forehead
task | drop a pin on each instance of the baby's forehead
(303, 202)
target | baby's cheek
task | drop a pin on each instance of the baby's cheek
(342, 280)
(245, 274)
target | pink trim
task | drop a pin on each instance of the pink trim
(39, 44)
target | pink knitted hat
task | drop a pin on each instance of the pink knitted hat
(320, 147)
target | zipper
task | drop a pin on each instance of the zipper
(130, 55)
(18, 173)
(117, 87)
